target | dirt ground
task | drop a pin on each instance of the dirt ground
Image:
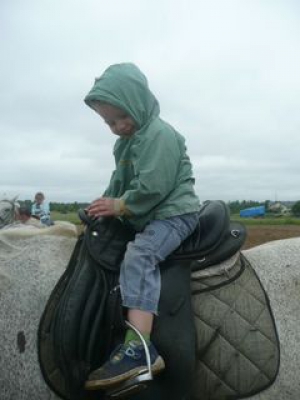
(261, 234)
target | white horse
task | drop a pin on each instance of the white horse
(29, 272)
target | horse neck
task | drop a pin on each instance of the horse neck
(9, 217)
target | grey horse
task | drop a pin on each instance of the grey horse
(30, 268)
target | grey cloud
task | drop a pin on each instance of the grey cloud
(225, 73)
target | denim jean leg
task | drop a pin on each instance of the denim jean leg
(140, 275)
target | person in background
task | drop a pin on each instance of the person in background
(40, 209)
(24, 216)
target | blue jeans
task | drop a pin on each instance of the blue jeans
(140, 275)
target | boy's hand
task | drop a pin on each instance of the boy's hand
(104, 207)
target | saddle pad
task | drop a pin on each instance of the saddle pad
(237, 344)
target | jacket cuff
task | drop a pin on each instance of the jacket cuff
(120, 208)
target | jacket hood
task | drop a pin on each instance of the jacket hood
(126, 87)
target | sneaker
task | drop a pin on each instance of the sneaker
(125, 362)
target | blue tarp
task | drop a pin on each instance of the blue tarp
(258, 211)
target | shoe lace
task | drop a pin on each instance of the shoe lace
(125, 349)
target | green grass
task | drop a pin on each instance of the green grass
(70, 217)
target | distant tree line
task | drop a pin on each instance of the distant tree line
(296, 209)
(234, 206)
(63, 208)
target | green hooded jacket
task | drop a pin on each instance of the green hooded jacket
(153, 176)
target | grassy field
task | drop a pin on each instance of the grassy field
(70, 217)
(282, 221)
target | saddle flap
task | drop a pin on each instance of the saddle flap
(106, 240)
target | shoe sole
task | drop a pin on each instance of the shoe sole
(156, 368)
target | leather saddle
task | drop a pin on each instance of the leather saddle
(83, 319)
(215, 239)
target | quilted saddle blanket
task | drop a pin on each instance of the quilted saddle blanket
(237, 342)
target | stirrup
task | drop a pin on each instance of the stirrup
(138, 382)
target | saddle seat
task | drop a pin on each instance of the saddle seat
(215, 239)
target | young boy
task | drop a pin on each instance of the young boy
(152, 188)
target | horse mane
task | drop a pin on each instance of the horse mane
(21, 231)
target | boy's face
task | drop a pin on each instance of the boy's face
(119, 121)
(39, 199)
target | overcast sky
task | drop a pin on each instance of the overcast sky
(226, 74)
